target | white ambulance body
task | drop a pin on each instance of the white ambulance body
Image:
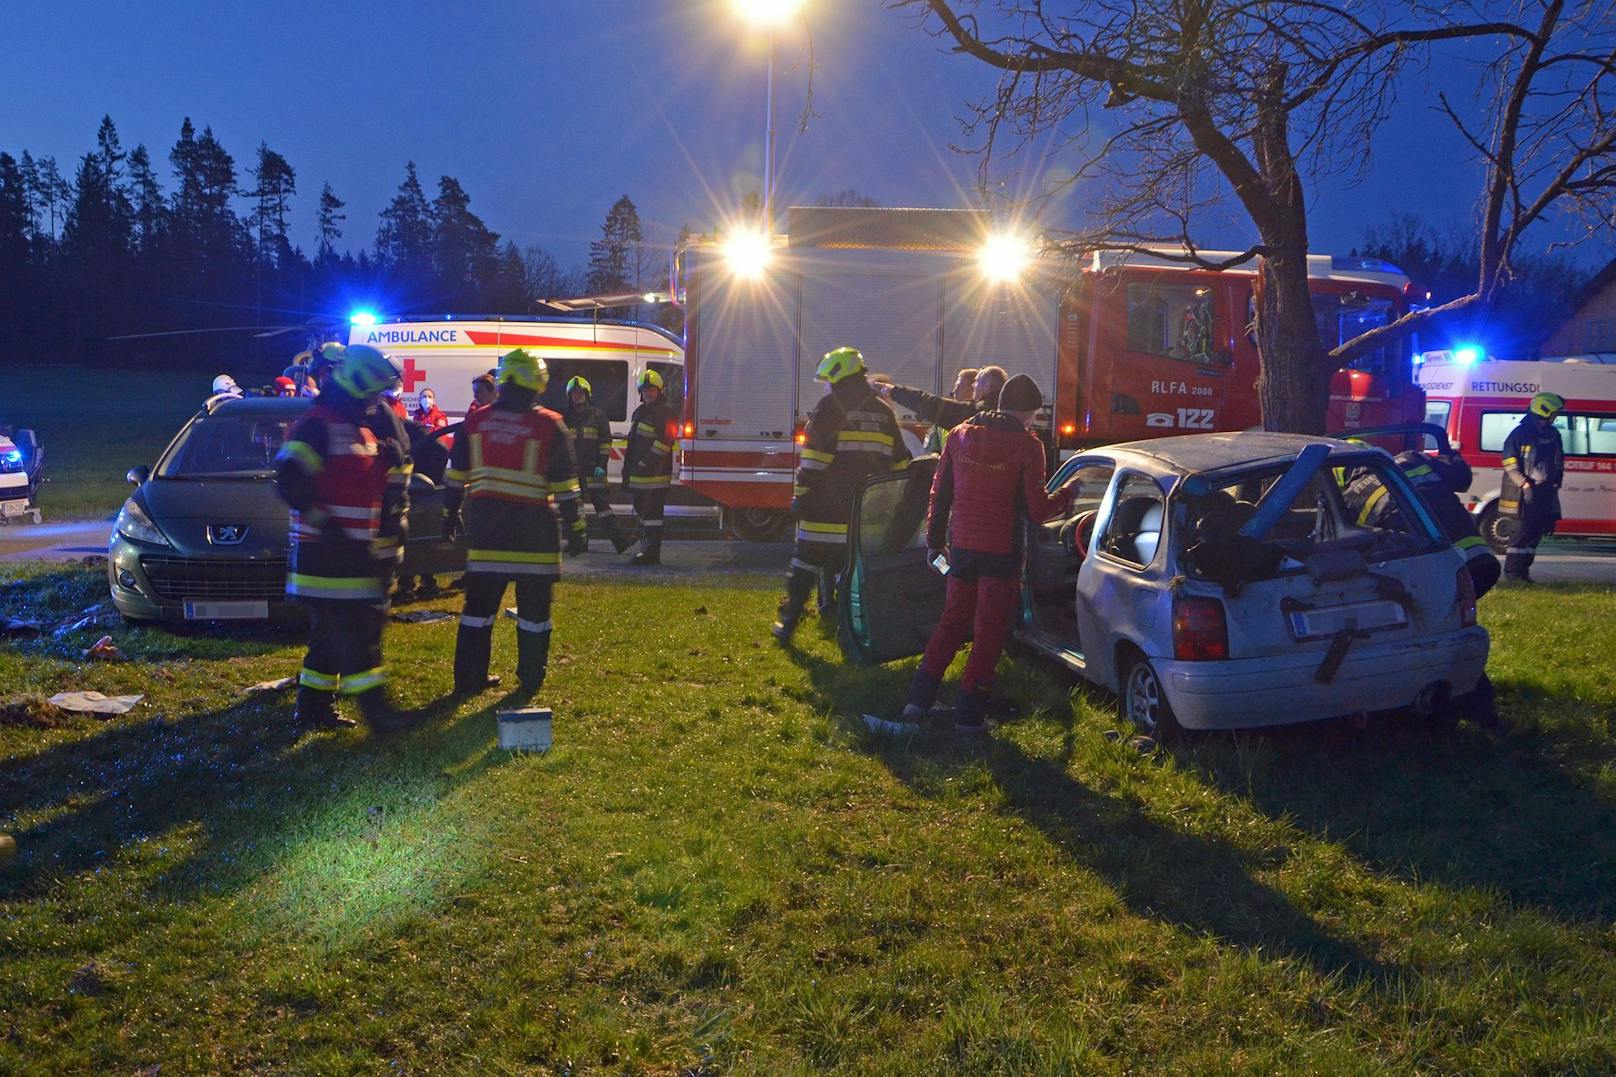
(445, 356)
(1479, 403)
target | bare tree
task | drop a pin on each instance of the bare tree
(1175, 107)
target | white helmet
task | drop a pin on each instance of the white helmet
(224, 383)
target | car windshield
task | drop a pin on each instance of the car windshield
(225, 445)
(1358, 503)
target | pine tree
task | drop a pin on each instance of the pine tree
(274, 184)
(330, 222)
(147, 196)
(463, 249)
(404, 238)
(616, 259)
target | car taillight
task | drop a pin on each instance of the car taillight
(1466, 589)
(1200, 629)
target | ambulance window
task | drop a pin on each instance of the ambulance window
(1171, 320)
(1437, 412)
(673, 383)
(608, 385)
(1495, 427)
(1587, 435)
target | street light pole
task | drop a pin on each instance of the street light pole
(768, 148)
(768, 15)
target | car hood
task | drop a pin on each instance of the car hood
(185, 510)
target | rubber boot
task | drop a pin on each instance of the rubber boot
(578, 541)
(651, 548)
(473, 648)
(379, 713)
(800, 583)
(971, 714)
(317, 709)
(923, 691)
(532, 659)
(614, 533)
(489, 682)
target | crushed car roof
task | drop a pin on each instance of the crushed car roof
(1189, 453)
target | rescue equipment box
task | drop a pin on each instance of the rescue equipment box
(526, 729)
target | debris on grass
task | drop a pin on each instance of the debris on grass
(17, 626)
(8, 850)
(105, 650)
(877, 724)
(423, 617)
(270, 686)
(95, 703)
(87, 980)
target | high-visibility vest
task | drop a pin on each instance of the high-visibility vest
(648, 460)
(514, 467)
(336, 542)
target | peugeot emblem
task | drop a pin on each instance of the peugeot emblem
(227, 534)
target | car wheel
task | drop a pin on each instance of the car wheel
(755, 524)
(1496, 529)
(1144, 703)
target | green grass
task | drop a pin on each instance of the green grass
(716, 870)
(95, 425)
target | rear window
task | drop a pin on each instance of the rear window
(1358, 503)
(608, 385)
(222, 445)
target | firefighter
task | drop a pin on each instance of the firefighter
(511, 467)
(988, 489)
(851, 433)
(347, 486)
(1439, 480)
(592, 449)
(648, 463)
(1534, 466)
(945, 413)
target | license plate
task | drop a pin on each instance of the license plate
(226, 611)
(1355, 616)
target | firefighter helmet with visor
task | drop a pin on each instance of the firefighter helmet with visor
(523, 369)
(838, 364)
(1548, 405)
(360, 370)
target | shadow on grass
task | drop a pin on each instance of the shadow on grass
(1491, 810)
(1200, 885)
(240, 777)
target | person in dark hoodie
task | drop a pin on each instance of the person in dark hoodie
(945, 413)
(987, 493)
(851, 434)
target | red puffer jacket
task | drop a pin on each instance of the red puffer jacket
(989, 485)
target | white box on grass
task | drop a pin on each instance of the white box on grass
(526, 729)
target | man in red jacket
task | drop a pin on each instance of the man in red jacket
(988, 490)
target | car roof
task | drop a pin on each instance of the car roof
(1192, 453)
(259, 407)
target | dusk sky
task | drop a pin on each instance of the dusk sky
(548, 110)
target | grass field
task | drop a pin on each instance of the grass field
(717, 871)
(95, 425)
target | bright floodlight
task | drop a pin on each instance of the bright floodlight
(748, 253)
(1004, 257)
(1467, 355)
(766, 12)
(362, 318)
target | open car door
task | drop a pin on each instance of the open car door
(891, 597)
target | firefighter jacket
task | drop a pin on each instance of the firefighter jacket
(349, 492)
(511, 467)
(1532, 451)
(1439, 482)
(988, 488)
(851, 434)
(648, 460)
(591, 439)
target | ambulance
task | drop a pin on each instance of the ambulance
(1480, 400)
(446, 355)
(1126, 345)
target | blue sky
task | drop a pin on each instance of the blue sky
(548, 110)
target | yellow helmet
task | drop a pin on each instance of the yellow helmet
(838, 364)
(1548, 405)
(578, 381)
(523, 369)
(648, 378)
(360, 370)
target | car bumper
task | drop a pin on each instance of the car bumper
(1248, 693)
(140, 593)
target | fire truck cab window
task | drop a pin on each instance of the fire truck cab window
(1171, 320)
(1341, 317)
(608, 384)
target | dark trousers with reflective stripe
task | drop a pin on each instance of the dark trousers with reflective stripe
(811, 562)
(597, 496)
(649, 503)
(1536, 523)
(474, 644)
(345, 645)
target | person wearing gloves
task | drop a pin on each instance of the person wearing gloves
(511, 469)
(987, 494)
(592, 449)
(344, 470)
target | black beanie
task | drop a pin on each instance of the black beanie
(1021, 393)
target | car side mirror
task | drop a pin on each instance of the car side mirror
(138, 475)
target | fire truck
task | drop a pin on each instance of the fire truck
(1127, 345)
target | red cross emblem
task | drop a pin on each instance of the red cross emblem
(412, 377)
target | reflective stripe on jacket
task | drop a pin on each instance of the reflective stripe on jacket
(851, 434)
(648, 460)
(591, 439)
(512, 468)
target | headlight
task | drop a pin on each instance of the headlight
(133, 523)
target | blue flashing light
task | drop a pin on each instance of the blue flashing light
(13, 457)
(1419, 358)
(1467, 355)
(362, 318)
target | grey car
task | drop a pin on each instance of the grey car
(204, 535)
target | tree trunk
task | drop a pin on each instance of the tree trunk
(1294, 387)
